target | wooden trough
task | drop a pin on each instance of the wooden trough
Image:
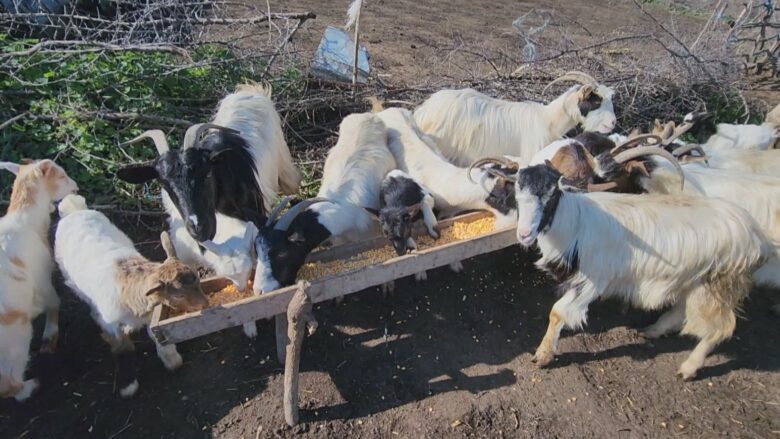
(292, 306)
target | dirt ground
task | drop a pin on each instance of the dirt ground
(447, 358)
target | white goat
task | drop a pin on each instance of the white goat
(453, 191)
(102, 266)
(468, 125)
(351, 182)
(725, 136)
(694, 253)
(25, 270)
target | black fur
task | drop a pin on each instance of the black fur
(396, 196)
(542, 182)
(629, 183)
(592, 102)
(502, 197)
(217, 175)
(562, 269)
(595, 143)
(288, 250)
(703, 127)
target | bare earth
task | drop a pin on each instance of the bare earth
(447, 358)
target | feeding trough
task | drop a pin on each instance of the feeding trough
(292, 306)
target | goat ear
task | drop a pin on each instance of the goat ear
(584, 92)
(155, 289)
(45, 166)
(548, 163)
(10, 167)
(413, 209)
(372, 211)
(138, 173)
(214, 284)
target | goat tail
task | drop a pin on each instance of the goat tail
(255, 88)
(71, 204)
(352, 13)
(376, 104)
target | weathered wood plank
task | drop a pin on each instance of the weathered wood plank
(188, 326)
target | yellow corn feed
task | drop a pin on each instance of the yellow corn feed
(459, 230)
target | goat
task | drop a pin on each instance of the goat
(714, 137)
(102, 266)
(696, 254)
(401, 202)
(351, 182)
(468, 125)
(453, 188)
(218, 188)
(26, 266)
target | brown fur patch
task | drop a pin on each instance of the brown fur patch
(18, 262)
(24, 188)
(12, 316)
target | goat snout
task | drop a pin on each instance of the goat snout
(200, 230)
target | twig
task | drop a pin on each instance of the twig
(357, 49)
(12, 120)
(95, 46)
(283, 43)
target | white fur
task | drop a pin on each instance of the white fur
(653, 251)
(87, 249)
(745, 160)
(759, 195)
(741, 137)
(417, 155)
(251, 111)
(468, 125)
(26, 290)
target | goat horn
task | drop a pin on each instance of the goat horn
(157, 136)
(685, 149)
(193, 133)
(574, 75)
(165, 240)
(285, 221)
(642, 138)
(277, 209)
(503, 161)
(679, 131)
(601, 187)
(651, 150)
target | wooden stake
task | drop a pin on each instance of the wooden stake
(299, 316)
(357, 46)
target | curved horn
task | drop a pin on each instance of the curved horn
(651, 150)
(277, 209)
(193, 133)
(679, 131)
(165, 240)
(157, 136)
(601, 187)
(643, 138)
(685, 149)
(285, 221)
(503, 161)
(574, 75)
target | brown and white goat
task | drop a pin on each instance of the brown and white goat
(102, 266)
(25, 270)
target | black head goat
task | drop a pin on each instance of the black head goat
(209, 175)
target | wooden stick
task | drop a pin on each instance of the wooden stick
(299, 316)
(357, 46)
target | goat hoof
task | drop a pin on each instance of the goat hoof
(456, 267)
(687, 372)
(421, 276)
(434, 233)
(651, 333)
(542, 359)
(250, 329)
(172, 361)
(129, 390)
(27, 389)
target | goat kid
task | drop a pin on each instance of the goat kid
(26, 266)
(101, 264)
(651, 251)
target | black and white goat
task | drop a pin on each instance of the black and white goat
(402, 201)
(468, 125)
(694, 253)
(219, 186)
(351, 182)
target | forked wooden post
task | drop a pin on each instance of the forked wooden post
(299, 316)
